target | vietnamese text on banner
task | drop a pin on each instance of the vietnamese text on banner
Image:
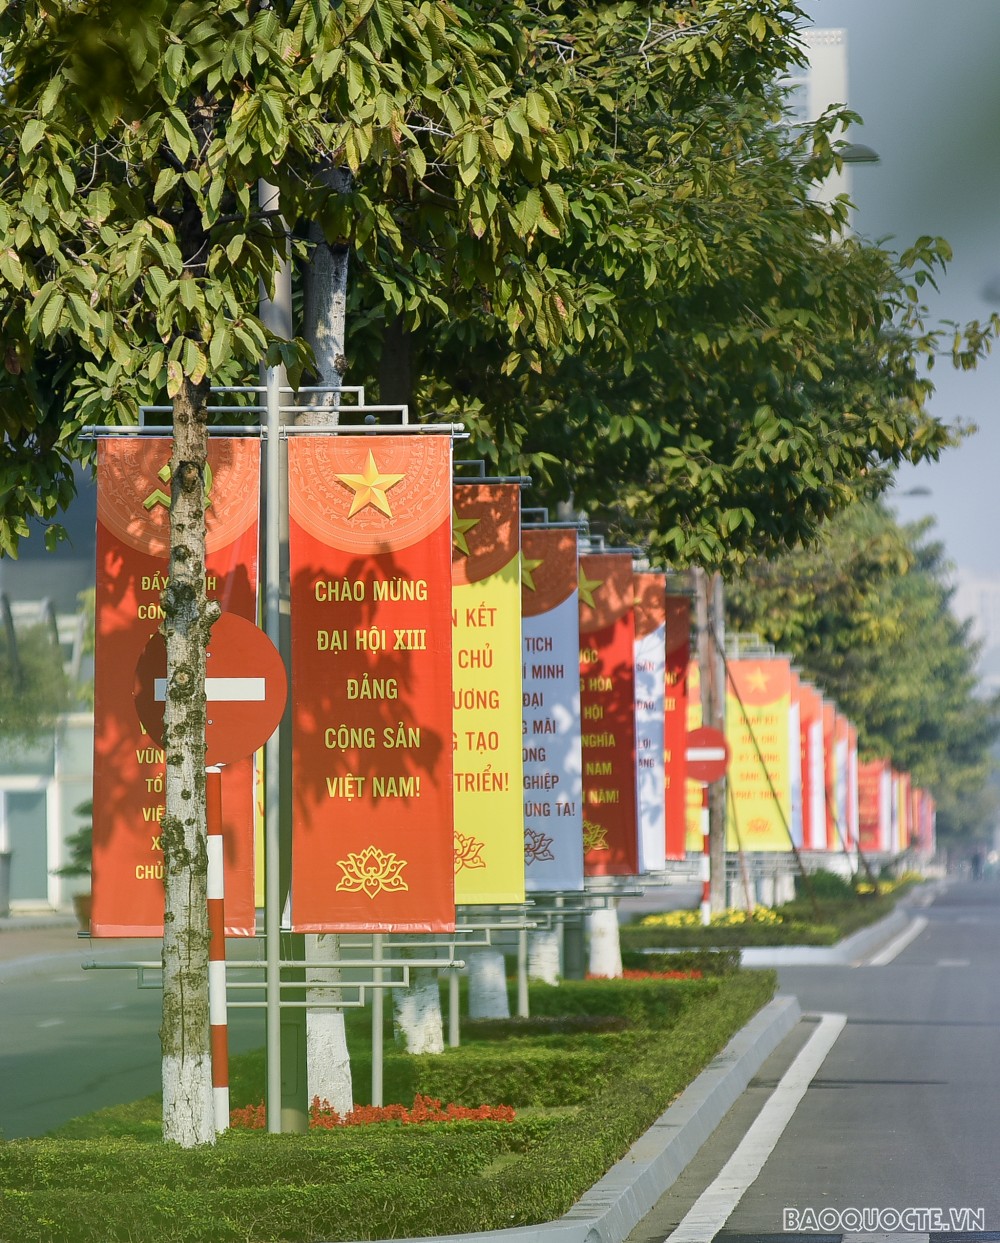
(133, 546)
(607, 708)
(486, 619)
(371, 694)
(553, 766)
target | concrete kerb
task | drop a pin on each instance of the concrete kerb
(615, 1205)
(851, 951)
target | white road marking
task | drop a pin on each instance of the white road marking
(715, 1205)
(898, 944)
(953, 962)
(885, 1238)
(51, 1023)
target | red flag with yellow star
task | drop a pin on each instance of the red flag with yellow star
(607, 706)
(370, 560)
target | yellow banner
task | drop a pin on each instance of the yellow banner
(486, 636)
(757, 730)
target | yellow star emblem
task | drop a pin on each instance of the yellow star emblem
(587, 588)
(459, 528)
(370, 487)
(528, 568)
(757, 679)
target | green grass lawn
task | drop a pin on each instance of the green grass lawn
(583, 1088)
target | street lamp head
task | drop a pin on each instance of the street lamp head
(858, 153)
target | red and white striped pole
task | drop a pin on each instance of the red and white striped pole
(706, 860)
(217, 1015)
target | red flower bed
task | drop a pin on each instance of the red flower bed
(322, 1117)
(652, 975)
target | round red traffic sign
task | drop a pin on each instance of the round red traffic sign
(245, 688)
(707, 754)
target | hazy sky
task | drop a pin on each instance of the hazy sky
(923, 75)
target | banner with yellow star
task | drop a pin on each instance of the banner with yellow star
(675, 707)
(553, 764)
(607, 706)
(650, 688)
(370, 560)
(759, 729)
(133, 545)
(486, 623)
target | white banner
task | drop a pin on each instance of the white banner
(553, 767)
(650, 675)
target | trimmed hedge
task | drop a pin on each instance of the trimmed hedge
(710, 962)
(391, 1180)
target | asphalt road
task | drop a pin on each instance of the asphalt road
(72, 1041)
(901, 1114)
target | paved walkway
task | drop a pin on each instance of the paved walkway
(28, 936)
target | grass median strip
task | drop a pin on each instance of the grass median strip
(581, 1098)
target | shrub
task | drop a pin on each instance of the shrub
(391, 1181)
(825, 885)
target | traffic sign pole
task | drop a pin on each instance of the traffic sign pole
(217, 1013)
(245, 690)
(707, 755)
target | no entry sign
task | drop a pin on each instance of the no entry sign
(245, 685)
(707, 754)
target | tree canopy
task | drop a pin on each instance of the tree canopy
(866, 614)
(724, 365)
(586, 230)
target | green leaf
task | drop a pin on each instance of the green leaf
(175, 378)
(32, 135)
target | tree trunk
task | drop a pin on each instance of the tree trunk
(543, 955)
(326, 296)
(487, 972)
(188, 615)
(416, 1011)
(329, 1063)
(605, 943)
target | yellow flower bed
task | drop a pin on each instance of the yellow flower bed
(726, 919)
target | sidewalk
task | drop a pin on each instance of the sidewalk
(37, 935)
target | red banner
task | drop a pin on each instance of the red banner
(871, 805)
(813, 768)
(675, 708)
(607, 708)
(133, 543)
(370, 556)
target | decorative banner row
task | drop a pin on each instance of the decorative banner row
(794, 776)
(477, 712)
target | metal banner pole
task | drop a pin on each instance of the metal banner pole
(378, 1013)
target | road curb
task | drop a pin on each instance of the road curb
(614, 1206)
(846, 952)
(851, 951)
